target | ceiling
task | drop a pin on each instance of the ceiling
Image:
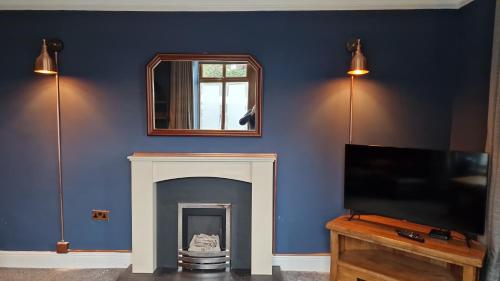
(229, 5)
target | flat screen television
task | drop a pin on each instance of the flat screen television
(443, 189)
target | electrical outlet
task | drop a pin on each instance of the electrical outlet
(100, 215)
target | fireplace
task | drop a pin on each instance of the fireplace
(204, 236)
(148, 170)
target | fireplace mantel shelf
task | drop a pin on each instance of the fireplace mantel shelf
(180, 156)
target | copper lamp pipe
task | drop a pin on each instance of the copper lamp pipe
(350, 108)
(59, 154)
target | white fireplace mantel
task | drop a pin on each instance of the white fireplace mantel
(150, 168)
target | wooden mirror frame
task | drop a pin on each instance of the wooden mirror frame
(197, 132)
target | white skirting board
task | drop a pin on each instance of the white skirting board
(319, 263)
(34, 259)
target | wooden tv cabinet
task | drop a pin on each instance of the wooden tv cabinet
(369, 249)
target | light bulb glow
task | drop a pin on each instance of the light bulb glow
(358, 72)
(42, 71)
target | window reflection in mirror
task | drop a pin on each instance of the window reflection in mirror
(205, 95)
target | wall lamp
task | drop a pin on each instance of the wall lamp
(358, 67)
(47, 63)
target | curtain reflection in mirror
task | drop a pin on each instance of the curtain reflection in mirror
(181, 95)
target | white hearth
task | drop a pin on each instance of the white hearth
(150, 168)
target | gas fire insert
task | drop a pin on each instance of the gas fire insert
(204, 236)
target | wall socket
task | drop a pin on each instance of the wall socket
(100, 215)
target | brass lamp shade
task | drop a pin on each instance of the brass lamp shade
(358, 61)
(44, 63)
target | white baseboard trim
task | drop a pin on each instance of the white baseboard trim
(302, 263)
(35, 259)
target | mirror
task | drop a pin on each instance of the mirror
(204, 95)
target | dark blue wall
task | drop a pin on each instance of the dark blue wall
(470, 106)
(405, 101)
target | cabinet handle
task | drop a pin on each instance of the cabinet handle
(359, 279)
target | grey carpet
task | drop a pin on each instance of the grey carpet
(35, 274)
(305, 276)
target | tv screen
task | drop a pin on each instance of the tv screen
(443, 189)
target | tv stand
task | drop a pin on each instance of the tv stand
(370, 249)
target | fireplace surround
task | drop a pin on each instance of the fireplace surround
(148, 169)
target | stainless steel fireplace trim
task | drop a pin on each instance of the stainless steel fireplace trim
(204, 260)
(208, 266)
(204, 254)
(226, 206)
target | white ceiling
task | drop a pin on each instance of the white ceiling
(229, 5)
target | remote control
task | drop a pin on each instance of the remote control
(411, 235)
